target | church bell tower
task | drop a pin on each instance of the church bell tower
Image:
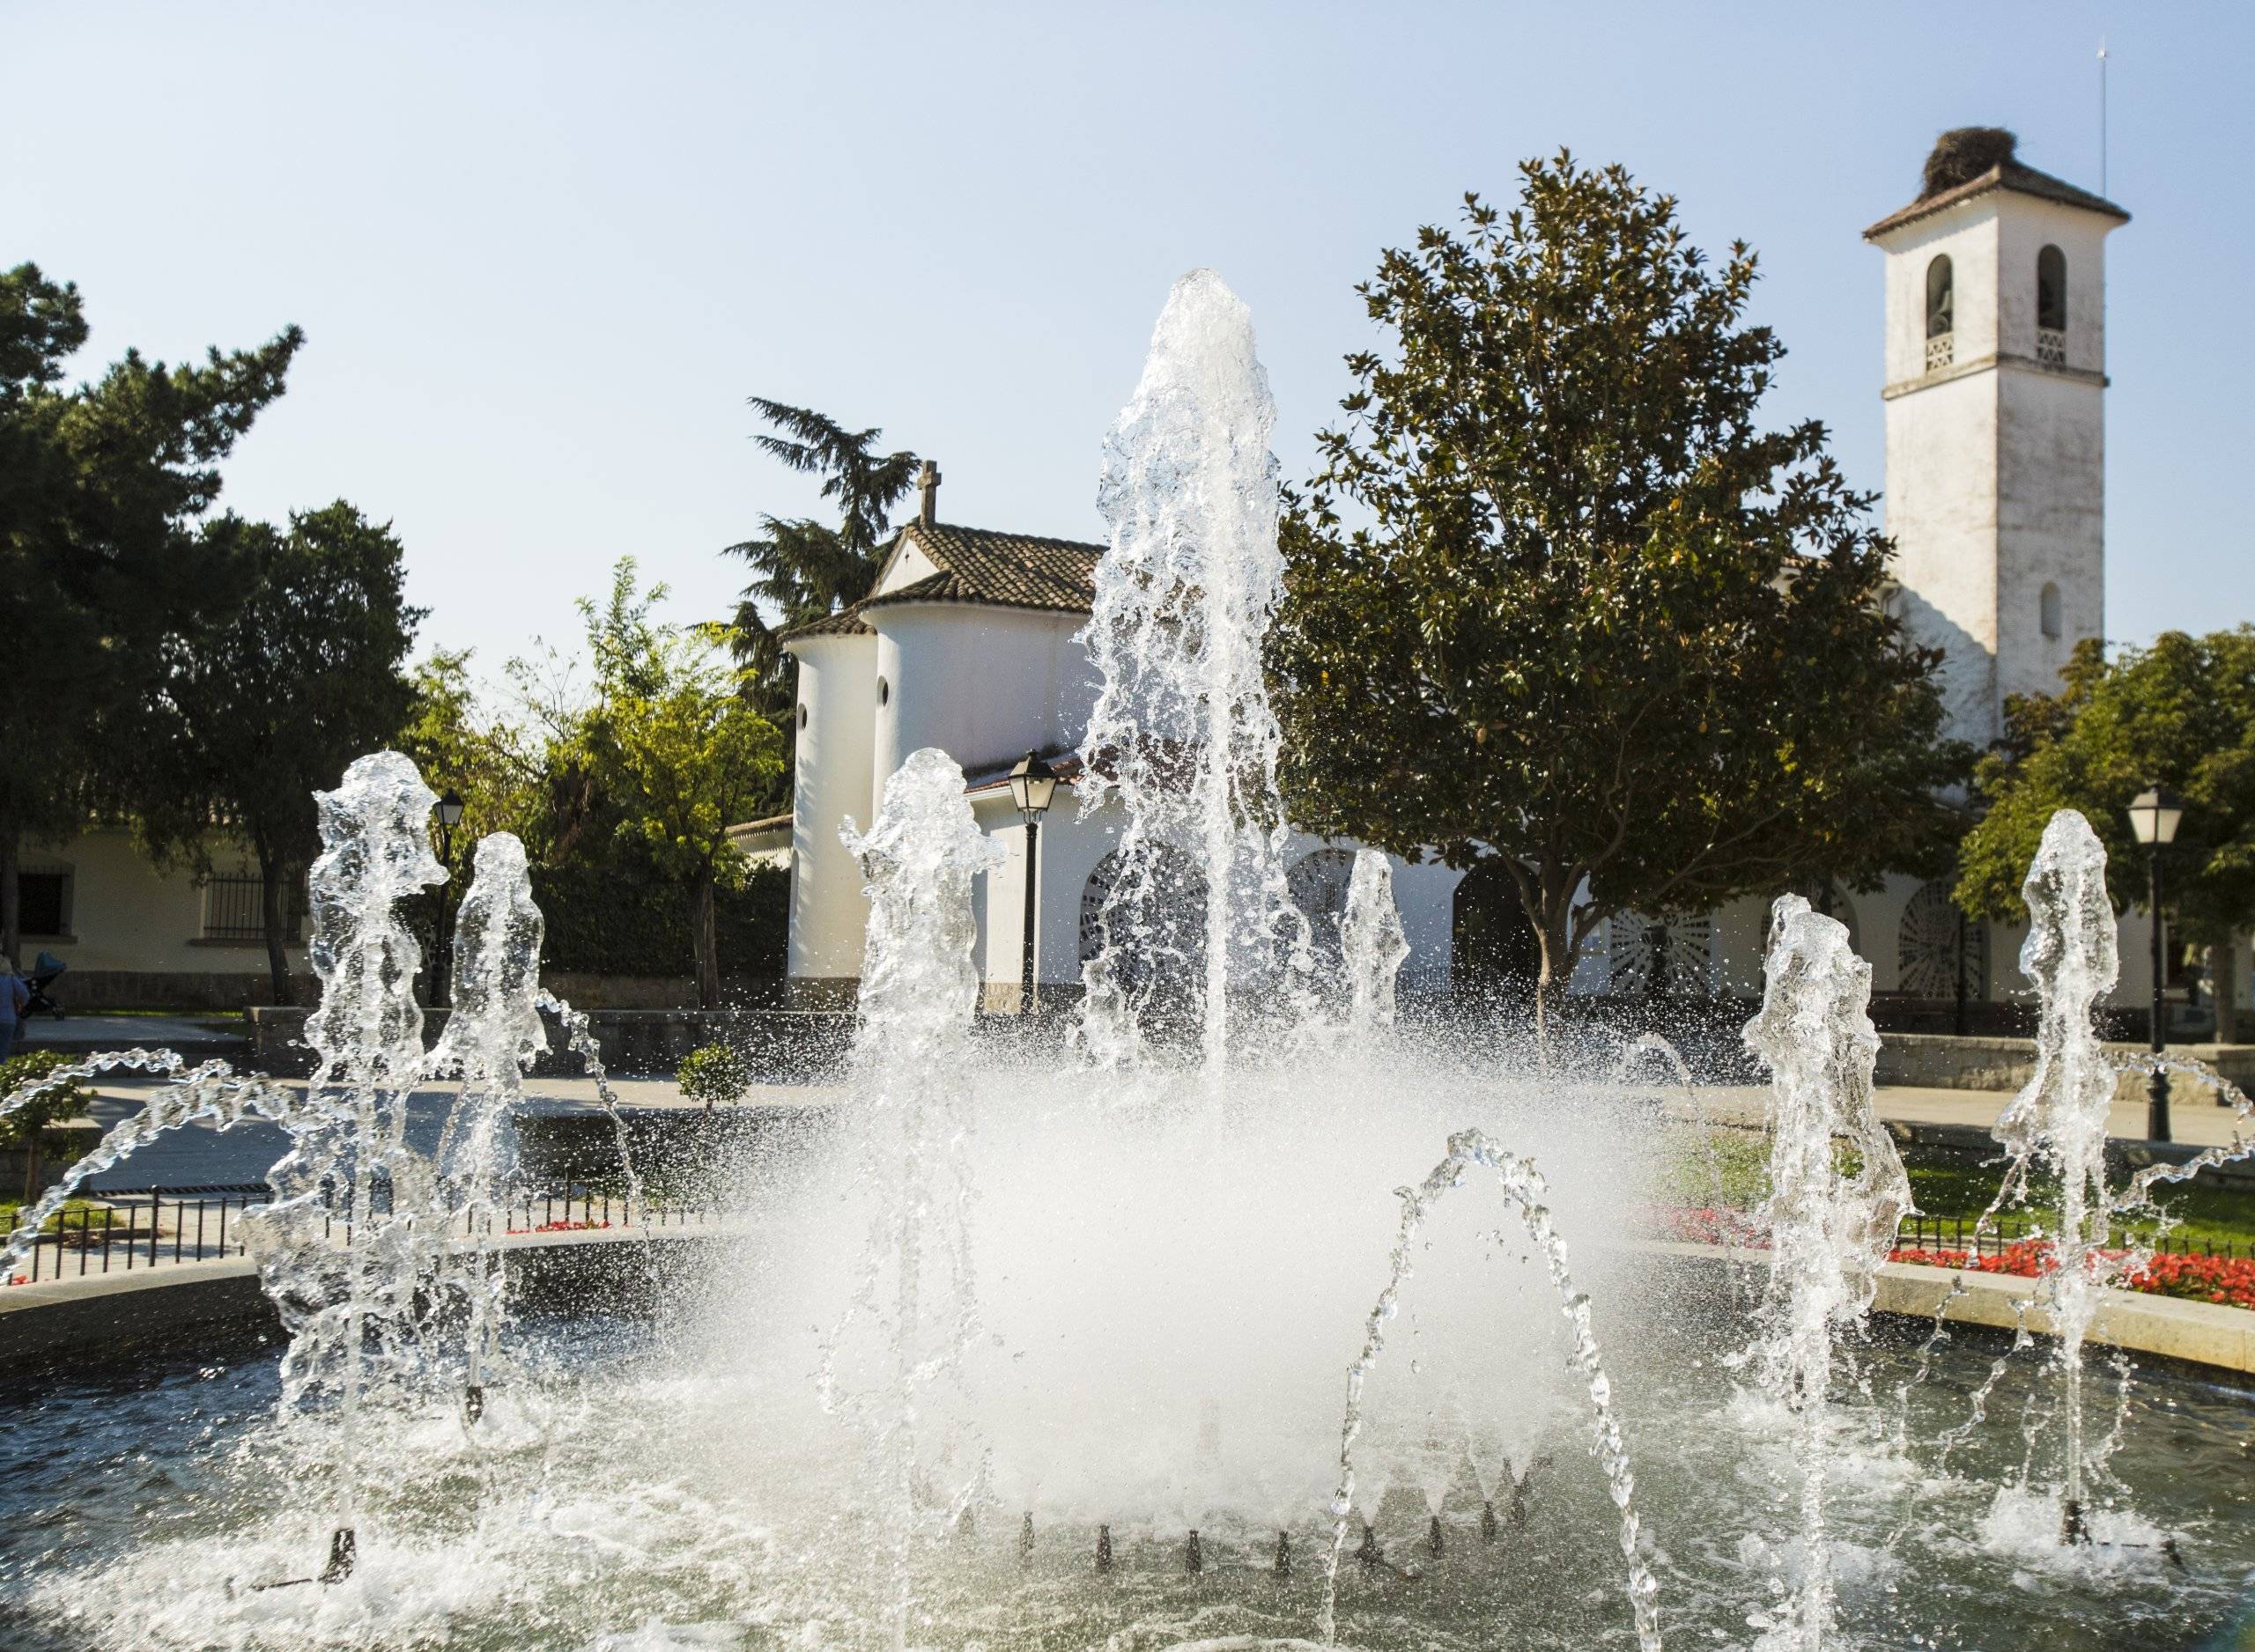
(1995, 393)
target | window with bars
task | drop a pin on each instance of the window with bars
(234, 908)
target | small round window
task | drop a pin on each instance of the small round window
(885, 692)
(802, 714)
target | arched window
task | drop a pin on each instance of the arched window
(2047, 612)
(2052, 290)
(1941, 312)
(2052, 307)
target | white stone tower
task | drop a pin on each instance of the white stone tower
(1995, 391)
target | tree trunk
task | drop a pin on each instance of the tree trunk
(2224, 982)
(11, 897)
(276, 922)
(1552, 919)
(704, 931)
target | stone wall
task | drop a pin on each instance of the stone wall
(1942, 1063)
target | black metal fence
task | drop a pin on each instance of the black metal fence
(121, 1230)
(1959, 1233)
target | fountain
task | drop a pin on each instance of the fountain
(1829, 1233)
(1003, 1346)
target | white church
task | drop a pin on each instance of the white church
(1994, 386)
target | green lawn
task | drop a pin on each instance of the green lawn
(1945, 1185)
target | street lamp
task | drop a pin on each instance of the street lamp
(2153, 816)
(441, 966)
(1034, 783)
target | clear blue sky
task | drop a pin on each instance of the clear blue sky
(541, 253)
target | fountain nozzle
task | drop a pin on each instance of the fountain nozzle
(1488, 1523)
(1103, 1548)
(2072, 1527)
(1025, 1540)
(1283, 1566)
(473, 1402)
(1370, 1554)
(1194, 1557)
(1435, 1541)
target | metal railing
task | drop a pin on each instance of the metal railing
(234, 909)
(121, 1230)
(1959, 1233)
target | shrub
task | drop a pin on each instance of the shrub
(66, 1101)
(716, 1072)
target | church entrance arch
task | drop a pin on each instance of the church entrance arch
(1156, 945)
(1492, 949)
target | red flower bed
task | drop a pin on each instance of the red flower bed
(563, 1227)
(2227, 1280)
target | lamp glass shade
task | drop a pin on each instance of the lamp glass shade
(1032, 785)
(2153, 816)
(450, 809)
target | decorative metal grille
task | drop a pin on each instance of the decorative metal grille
(1318, 884)
(1932, 943)
(1940, 351)
(233, 909)
(1661, 957)
(2051, 346)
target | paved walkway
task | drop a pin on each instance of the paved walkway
(126, 1032)
(199, 1155)
(2199, 1124)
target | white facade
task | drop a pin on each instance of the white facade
(1994, 497)
(1995, 492)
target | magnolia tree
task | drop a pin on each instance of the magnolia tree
(1558, 600)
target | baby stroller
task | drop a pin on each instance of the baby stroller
(45, 968)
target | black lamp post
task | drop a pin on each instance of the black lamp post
(441, 966)
(2153, 816)
(1034, 783)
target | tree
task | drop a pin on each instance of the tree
(803, 569)
(101, 569)
(264, 711)
(1593, 621)
(673, 749)
(2179, 714)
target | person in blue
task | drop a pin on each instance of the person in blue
(14, 997)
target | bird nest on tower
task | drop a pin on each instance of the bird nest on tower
(1964, 153)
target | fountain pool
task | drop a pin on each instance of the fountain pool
(620, 1498)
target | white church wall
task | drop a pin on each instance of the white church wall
(2051, 524)
(828, 914)
(983, 684)
(1941, 513)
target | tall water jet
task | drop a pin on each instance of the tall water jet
(1829, 1233)
(1182, 733)
(2059, 1120)
(491, 1039)
(1373, 946)
(349, 1153)
(910, 1091)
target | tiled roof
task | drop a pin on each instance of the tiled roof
(2004, 176)
(846, 622)
(977, 564)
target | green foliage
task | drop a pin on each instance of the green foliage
(486, 762)
(103, 575)
(1590, 619)
(803, 569)
(2179, 714)
(715, 1074)
(614, 912)
(264, 710)
(22, 1127)
(653, 762)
